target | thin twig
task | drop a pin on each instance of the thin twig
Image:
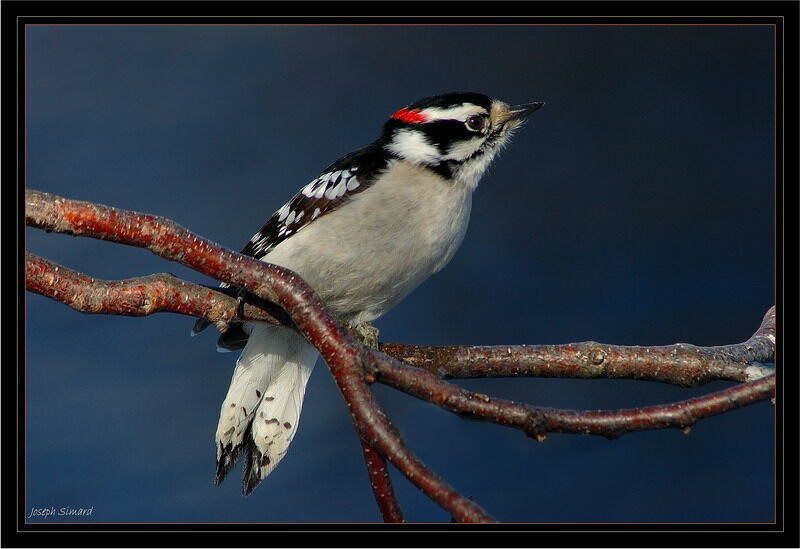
(679, 364)
(681, 415)
(381, 483)
(536, 422)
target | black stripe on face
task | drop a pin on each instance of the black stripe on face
(443, 133)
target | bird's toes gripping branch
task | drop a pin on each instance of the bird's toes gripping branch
(367, 334)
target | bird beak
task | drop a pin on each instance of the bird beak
(521, 111)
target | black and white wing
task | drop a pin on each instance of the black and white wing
(321, 196)
(342, 180)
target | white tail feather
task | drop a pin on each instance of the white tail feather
(275, 421)
(266, 395)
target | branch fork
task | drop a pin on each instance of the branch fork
(416, 370)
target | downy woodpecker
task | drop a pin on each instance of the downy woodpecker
(364, 234)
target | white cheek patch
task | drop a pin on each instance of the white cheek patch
(414, 146)
(461, 112)
(464, 149)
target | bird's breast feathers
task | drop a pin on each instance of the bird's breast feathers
(363, 258)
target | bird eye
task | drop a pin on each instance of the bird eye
(476, 122)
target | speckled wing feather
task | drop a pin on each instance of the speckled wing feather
(339, 182)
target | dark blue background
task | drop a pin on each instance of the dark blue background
(635, 208)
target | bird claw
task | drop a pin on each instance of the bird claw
(367, 334)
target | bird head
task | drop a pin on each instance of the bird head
(456, 134)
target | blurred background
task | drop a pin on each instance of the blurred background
(635, 208)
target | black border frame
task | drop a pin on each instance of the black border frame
(784, 15)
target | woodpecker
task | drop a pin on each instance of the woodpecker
(372, 227)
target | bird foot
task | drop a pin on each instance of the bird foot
(367, 334)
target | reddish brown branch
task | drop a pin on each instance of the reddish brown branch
(680, 364)
(346, 358)
(536, 422)
(353, 365)
(681, 415)
(382, 485)
(146, 295)
(162, 292)
(141, 296)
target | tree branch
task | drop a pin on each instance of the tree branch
(536, 422)
(381, 485)
(681, 415)
(141, 296)
(680, 364)
(164, 292)
(354, 365)
(346, 358)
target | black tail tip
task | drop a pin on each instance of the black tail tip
(252, 473)
(222, 471)
(249, 484)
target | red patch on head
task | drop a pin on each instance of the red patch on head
(413, 117)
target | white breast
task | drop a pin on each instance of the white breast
(366, 256)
